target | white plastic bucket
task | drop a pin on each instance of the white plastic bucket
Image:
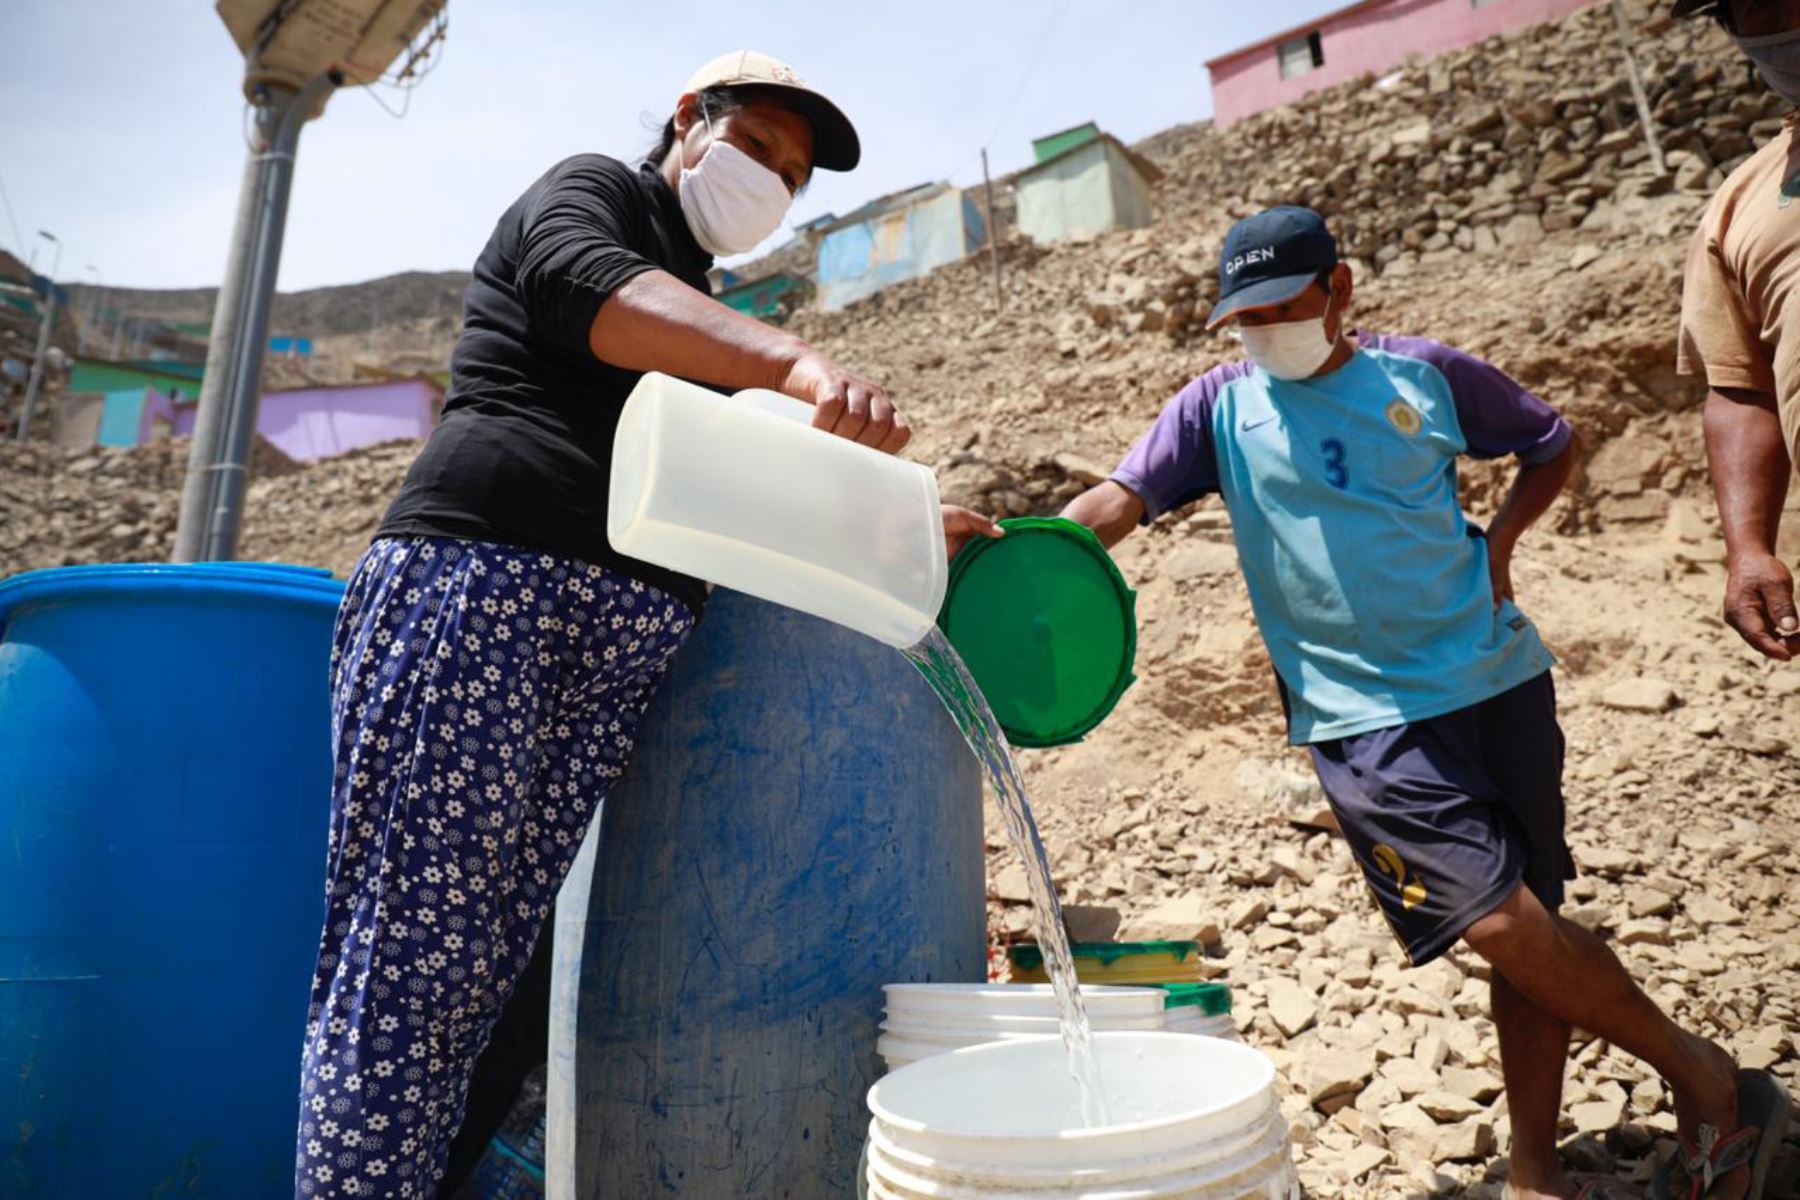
(1001, 1025)
(1190, 1018)
(903, 1044)
(741, 491)
(1193, 1117)
(1013, 999)
(931, 1018)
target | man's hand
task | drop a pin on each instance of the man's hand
(1748, 460)
(1500, 571)
(1759, 604)
(849, 406)
(961, 524)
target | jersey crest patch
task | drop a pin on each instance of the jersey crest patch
(1404, 417)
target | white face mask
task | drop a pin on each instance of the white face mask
(1290, 350)
(730, 200)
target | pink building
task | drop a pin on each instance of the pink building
(318, 422)
(1360, 39)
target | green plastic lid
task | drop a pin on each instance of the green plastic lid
(1046, 626)
(1027, 957)
(1213, 999)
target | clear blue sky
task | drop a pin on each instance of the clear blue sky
(124, 118)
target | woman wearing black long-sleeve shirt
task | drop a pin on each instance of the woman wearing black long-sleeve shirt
(493, 654)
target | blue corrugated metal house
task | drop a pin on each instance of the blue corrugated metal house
(897, 237)
(291, 347)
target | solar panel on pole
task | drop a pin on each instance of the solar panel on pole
(296, 53)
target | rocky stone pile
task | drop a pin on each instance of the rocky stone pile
(108, 504)
(326, 515)
(60, 507)
(1495, 145)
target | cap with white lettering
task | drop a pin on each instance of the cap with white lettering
(835, 144)
(1271, 257)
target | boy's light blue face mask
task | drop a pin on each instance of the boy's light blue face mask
(1777, 56)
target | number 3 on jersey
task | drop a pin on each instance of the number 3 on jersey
(1335, 472)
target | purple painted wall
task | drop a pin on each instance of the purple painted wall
(1366, 38)
(318, 422)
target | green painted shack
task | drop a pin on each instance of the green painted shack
(1051, 145)
(1091, 186)
(99, 376)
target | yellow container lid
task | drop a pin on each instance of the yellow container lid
(1115, 962)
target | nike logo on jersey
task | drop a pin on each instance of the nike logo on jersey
(1248, 425)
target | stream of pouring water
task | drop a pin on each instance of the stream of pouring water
(943, 668)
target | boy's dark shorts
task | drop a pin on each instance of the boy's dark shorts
(1447, 815)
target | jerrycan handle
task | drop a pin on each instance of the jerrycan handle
(776, 404)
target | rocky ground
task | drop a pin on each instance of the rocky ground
(1500, 199)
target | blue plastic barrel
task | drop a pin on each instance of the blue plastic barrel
(801, 825)
(164, 800)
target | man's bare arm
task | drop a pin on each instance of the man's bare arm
(1748, 459)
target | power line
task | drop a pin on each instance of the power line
(18, 238)
(405, 101)
(422, 60)
(1032, 61)
(1031, 66)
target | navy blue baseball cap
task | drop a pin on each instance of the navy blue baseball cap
(1270, 258)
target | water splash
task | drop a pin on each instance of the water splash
(943, 668)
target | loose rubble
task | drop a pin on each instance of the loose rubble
(61, 507)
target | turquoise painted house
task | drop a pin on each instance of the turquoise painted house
(105, 401)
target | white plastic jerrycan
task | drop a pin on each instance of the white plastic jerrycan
(743, 492)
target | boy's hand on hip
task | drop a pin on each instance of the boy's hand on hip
(1500, 572)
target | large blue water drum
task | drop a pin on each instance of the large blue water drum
(165, 769)
(801, 825)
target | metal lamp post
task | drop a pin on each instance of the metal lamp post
(212, 498)
(46, 323)
(296, 52)
(94, 307)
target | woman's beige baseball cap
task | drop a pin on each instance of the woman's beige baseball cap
(835, 144)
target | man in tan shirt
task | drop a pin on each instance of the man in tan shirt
(1740, 329)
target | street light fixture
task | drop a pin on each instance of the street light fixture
(55, 263)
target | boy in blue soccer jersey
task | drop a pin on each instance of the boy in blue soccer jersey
(1421, 691)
